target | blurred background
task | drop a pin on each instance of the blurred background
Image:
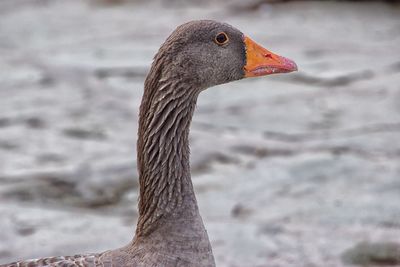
(300, 169)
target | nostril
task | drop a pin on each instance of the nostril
(268, 56)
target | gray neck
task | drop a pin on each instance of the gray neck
(169, 218)
(163, 155)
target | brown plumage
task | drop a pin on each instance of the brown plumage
(170, 231)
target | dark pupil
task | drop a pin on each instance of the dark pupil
(221, 38)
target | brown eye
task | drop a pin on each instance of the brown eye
(221, 38)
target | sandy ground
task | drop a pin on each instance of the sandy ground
(290, 170)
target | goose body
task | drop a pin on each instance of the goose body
(170, 230)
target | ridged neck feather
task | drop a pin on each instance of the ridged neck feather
(163, 147)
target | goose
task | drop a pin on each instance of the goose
(170, 231)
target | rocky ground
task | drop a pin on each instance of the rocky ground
(290, 170)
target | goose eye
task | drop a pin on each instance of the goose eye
(221, 38)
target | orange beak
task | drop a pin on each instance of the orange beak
(260, 61)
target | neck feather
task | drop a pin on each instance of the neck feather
(163, 153)
(169, 220)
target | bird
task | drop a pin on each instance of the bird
(170, 232)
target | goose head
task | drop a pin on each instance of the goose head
(205, 53)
